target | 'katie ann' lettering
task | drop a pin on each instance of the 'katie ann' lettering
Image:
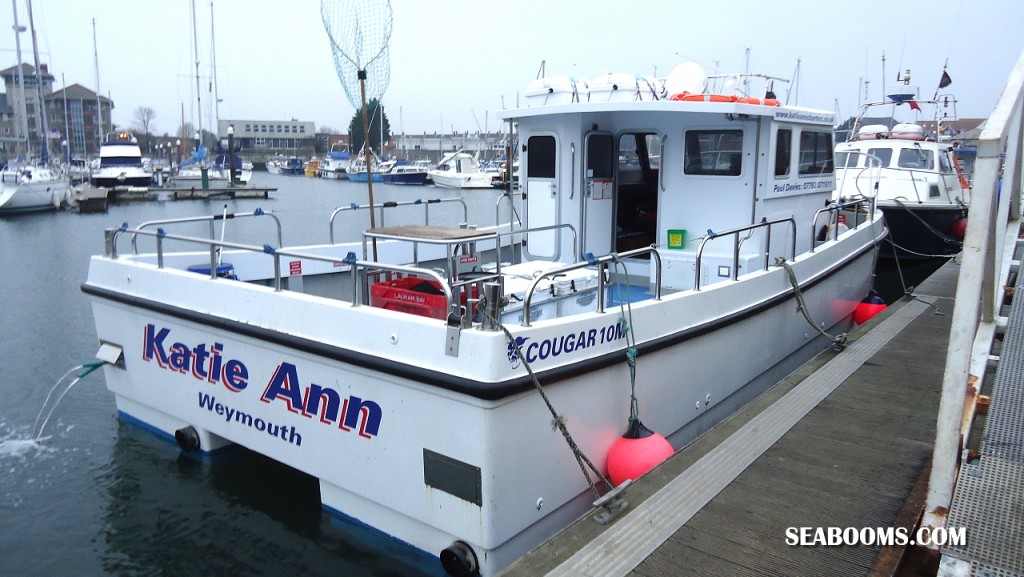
(207, 363)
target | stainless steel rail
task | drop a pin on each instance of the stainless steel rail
(381, 206)
(735, 233)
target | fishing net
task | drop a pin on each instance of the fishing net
(359, 31)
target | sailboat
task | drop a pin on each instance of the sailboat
(28, 184)
(217, 173)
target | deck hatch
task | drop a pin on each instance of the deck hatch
(452, 476)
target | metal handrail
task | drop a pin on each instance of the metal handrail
(766, 224)
(571, 228)
(419, 201)
(872, 162)
(211, 218)
(601, 263)
(993, 224)
(276, 254)
(836, 208)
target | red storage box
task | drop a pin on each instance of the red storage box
(412, 295)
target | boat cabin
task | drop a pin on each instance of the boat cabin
(670, 174)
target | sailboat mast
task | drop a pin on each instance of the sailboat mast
(44, 145)
(21, 84)
(213, 76)
(199, 100)
(99, 109)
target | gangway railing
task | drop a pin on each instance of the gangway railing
(993, 224)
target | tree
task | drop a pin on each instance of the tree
(144, 116)
(376, 114)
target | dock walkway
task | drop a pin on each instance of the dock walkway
(843, 442)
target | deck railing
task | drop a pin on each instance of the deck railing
(426, 204)
(993, 224)
(737, 242)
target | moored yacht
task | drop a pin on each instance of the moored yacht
(417, 372)
(120, 163)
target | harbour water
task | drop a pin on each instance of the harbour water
(99, 496)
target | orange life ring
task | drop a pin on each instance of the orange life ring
(688, 97)
(759, 101)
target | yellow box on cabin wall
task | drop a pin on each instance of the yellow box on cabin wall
(677, 238)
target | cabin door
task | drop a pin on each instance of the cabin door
(598, 210)
(541, 189)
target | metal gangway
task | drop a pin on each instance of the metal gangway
(983, 492)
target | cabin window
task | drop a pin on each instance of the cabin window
(713, 152)
(815, 153)
(847, 159)
(945, 163)
(915, 159)
(600, 156)
(541, 159)
(783, 151)
(878, 155)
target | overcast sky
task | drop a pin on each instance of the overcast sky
(456, 63)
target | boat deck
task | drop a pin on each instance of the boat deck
(843, 442)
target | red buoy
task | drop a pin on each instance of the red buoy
(959, 228)
(868, 308)
(637, 451)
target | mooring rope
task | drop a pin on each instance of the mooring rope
(626, 318)
(838, 341)
(909, 291)
(558, 421)
(933, 230)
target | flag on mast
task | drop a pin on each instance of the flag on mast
(946, 80)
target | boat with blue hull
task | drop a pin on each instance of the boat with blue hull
(404, 173)
(411, 372)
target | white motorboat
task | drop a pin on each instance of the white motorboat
(120, 163)
(335, 164)
(459, 170)
(412, 372)
(912, 173)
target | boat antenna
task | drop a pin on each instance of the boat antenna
(540, 71)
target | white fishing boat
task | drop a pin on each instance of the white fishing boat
(120, 163)
(912, 172)
(412, 372)
(459, 170)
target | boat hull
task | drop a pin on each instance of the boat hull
(429, 448)
(361, 177)
(922, 231)
(458, 180)
(18, 196)
(411, 178)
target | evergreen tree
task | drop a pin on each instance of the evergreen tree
(376, 115)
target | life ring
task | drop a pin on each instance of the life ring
(688, 97)
(759, 101)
